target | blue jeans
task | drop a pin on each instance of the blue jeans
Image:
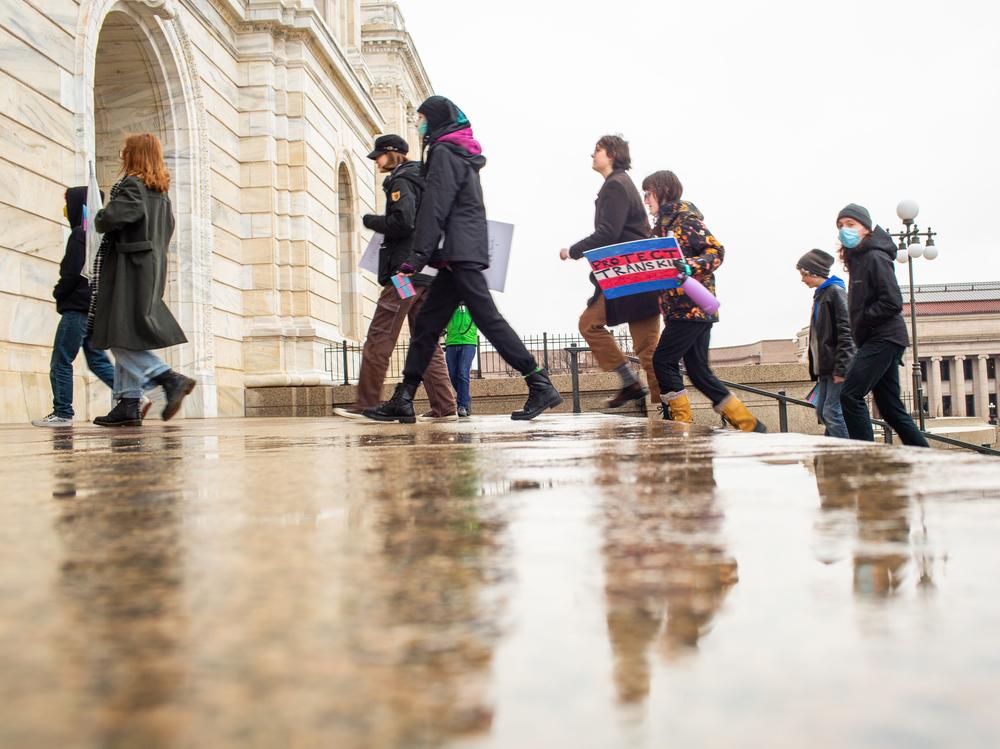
(134, 370)
(828, 408)
(459, 359)
(71, 336)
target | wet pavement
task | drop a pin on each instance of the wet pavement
(579, 581)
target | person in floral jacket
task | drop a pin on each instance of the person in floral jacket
(687, 327)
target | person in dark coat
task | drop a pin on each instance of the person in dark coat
(404, 189)
(72, 295)
(831, 346)
(687, 329)
(453, 206)
(130, 278)
(618, 217)
(875, 305)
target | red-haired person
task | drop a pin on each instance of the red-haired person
(127, 313)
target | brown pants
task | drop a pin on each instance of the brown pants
(645, 335)
(387, 322)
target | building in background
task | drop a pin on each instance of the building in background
(958, 337)
(266, 109)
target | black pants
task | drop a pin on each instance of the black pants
(875, 370)
(687, 340)
(450, 287)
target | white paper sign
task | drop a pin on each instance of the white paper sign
(499, 237)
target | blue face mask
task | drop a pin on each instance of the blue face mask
(422, 129)
(849, 238)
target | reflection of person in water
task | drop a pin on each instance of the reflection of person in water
(882, 511)
(429, 604)
(121, 582)
(667, 570)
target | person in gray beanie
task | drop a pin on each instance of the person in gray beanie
(831, 347)
(875, 306)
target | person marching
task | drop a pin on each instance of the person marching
(688, 328)
(618, 217)
(831, 346)
(875, 305)
(72, 295)
(453, 206)
(403, 189)
(127, 312)
(460, 343)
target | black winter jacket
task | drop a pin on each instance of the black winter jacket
(619, 217)
(874, 299)
(831, 346)
(72, 292)
(452, 205)
(404, 188)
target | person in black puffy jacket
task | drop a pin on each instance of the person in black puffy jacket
(453, 206)
(72, 295)
(404, 189)
(875, 305)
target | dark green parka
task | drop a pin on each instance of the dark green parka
(130, 312)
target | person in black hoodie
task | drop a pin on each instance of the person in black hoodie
(403, 190)
(453, 206)
(72, 295)
(619, 217)
(875, 305)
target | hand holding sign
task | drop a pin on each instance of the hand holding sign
(646, 265)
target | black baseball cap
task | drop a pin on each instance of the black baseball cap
(389, 143)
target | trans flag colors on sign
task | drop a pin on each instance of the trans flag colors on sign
(635, 267)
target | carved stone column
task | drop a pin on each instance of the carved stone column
(981, 386)
(935, 404)
(958, 387)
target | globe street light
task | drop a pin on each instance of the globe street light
(909, 248)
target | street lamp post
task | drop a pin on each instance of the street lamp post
(910, 248)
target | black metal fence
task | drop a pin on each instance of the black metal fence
(343, 360)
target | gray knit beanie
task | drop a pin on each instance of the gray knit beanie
(858, 212)
(816, 263)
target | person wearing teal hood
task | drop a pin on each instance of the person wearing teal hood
(453, 207)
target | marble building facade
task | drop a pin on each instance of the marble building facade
(266, 109)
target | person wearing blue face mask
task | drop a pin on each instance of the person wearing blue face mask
(875, 307)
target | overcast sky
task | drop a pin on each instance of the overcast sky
(773, 114)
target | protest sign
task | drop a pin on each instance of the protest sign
(635, 267)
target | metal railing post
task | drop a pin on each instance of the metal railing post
(545, 351)
(343, 348)
(574, 372)
(479, 359)
(782, 412)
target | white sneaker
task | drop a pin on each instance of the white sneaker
(53, 421)
(349, 413)
(432, 417)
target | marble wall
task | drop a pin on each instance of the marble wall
(266, 109)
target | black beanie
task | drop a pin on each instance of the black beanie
(816, 263)
(858, 212)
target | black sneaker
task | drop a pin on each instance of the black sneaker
(463, 412)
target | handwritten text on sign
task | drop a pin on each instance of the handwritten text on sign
(635, 267)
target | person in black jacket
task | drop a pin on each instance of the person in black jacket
(831, 346)
(875, 305)
(72, 295)
(403, 190)
(453, 206)
(619, 217)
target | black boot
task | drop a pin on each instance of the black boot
(542, 395)
(175, 386)
(124, 414)
(398, 408)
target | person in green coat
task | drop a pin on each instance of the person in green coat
(127, 313)
(461, 340)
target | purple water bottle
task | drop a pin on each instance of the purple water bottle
(700, 295)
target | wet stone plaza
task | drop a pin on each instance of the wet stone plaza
(577, 581)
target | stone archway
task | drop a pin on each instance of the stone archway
(138, 76)
(350, 278)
